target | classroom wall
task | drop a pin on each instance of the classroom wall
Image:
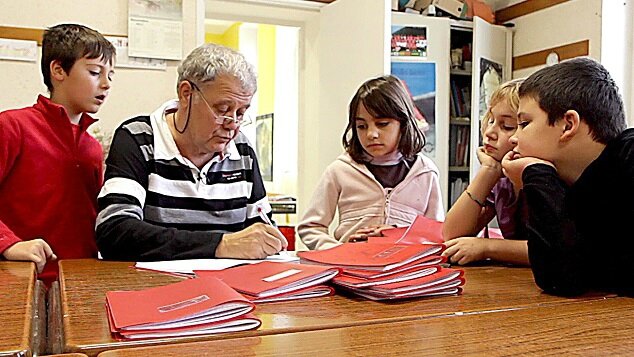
(558, 25)
(266, 68)
(606, 24)
(134, 91)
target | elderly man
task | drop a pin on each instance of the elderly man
(183, 182)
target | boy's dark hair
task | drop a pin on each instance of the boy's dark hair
(584, 85)
(384, 97)
(67, 43)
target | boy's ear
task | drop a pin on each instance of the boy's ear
(57, 72)
(570, 123)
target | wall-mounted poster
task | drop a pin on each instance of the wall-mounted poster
(18, 50)
(420, 80)
(264, 144)
(409, 41)
(490, 80)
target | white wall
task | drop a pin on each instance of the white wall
(286, 108)
(558, 25)
(617, 49)
(307, 20)
(134, 91)
(248, 43)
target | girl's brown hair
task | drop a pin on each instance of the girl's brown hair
(384, 97)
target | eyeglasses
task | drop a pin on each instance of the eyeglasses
(238, 119)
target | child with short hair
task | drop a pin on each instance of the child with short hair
(574, 159)
(50, 168)
(490, 194)
(383, 178)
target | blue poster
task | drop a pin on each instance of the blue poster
(420, 79)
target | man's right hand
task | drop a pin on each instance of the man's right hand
(255, 242)
(36, 250)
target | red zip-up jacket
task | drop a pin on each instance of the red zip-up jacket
(49, 181)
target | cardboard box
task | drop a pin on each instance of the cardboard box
(453, 7)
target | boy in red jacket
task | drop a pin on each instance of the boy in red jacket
(50, 168)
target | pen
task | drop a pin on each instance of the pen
(266, 220)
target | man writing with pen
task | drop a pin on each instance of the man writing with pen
(183, 182)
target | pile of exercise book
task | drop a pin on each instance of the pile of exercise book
(214, 301)
(404, 263)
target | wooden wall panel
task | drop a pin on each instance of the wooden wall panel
(571, 50)
(21, 33)
(524, 8)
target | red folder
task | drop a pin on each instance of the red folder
(444, 282)
(242, 323)
(356, 282)
(370, 256)
(268, 279)
(421, 263)
(429, 292)
(307, 293)
(444, 276)
(187, 303)
(423, 230)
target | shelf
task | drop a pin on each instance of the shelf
(460, 121)
(460, 72)
(282, 207)
(459, 168)
(408, 59)
(461, 25)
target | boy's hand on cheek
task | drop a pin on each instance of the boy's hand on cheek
(513, 165)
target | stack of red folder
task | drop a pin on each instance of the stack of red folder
(277, 281)
(190, 307)
(385, 271)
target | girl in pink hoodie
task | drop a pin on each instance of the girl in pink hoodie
(383, 178)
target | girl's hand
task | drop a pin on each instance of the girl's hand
(487, 160)
(465, 250)
(371, 231)
(36, 251)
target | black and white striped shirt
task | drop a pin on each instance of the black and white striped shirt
(157, 205)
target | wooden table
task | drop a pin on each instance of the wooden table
(21, 304)
(83, 284)
(600, 327)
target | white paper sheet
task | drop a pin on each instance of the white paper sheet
(188, 266)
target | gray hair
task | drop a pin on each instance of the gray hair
(208, 61)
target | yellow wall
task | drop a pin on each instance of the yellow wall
(266, 69)
(218, 39)
(266, 60)
(230, 38)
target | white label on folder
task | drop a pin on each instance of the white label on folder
(183, 304)
(282, 275)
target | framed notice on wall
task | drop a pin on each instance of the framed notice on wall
(264, 144)
(155, 29)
